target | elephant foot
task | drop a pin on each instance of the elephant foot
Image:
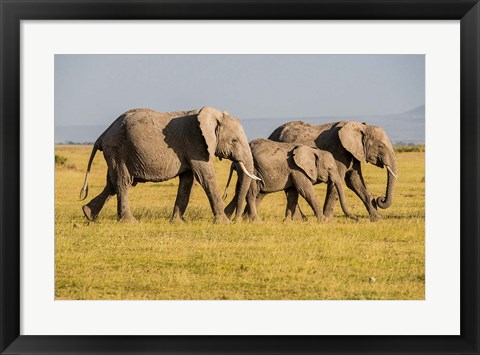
(375, 217)
(238, 218)
(321, 219)
(221, 219)
(87, 211)
(328, 218)
(298, 216)
(241, 219)
(255, 219)
(328, 214)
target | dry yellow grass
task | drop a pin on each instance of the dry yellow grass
(269, 260)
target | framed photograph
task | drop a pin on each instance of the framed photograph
(238, 177)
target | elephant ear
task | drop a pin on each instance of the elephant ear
(306, 160)
(209, 119)
(351, 137)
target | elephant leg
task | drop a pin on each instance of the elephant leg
(355, 182)
(292, 203)
(93, 208)
(254, 197)
(258, 201)
(295, 212)
(305, 189)
(231, 207)
(205, 175)
(298, 214)
(251, 209)
(123, 210)
(331, 198)
(183, 196)
(246, 212)
(123, 183)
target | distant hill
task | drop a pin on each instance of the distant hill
(418, 111)
(407, 127)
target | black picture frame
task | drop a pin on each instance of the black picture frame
(14, 11)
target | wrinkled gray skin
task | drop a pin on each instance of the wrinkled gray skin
(144, 145)
(292, 168)
(351, 143)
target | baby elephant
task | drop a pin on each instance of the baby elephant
(293, 168)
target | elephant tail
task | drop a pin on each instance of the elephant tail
(232, 168)
(84, 190)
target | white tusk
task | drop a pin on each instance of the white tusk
(244, 169)
(391, 172)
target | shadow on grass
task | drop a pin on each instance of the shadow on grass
(405, 216)
(193, 213)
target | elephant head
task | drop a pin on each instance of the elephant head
(371, 144)
(225, 138)
(319, 166)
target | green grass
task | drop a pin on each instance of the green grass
(154, 259)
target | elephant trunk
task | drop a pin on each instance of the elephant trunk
(386, 201)
(244, 181)
(341, 196)
(230, 208)
(232, 168)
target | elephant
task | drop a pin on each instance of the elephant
(143, 145)
(290, 167)
(351, 143)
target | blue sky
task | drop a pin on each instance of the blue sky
(95, 89)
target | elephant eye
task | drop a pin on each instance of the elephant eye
(234, 140)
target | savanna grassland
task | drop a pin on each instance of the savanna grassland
(269, 260)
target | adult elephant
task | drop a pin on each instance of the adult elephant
(351, 143)
(144, 145)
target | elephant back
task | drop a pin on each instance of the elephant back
(305, 133)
